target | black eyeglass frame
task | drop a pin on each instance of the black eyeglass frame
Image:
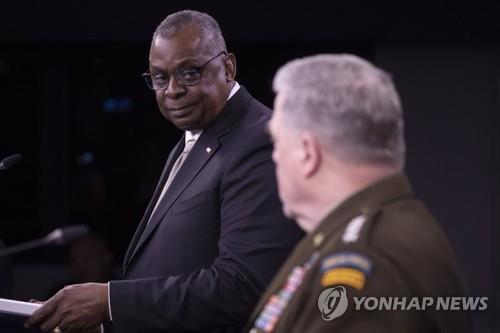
(148, 77)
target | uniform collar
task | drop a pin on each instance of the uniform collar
(365, 202)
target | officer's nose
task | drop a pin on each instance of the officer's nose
(174, 88)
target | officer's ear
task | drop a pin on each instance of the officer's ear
(230, 67)
(311, 156)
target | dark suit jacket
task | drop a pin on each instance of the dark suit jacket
(399, 250)
(217, 237)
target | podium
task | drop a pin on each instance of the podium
(13, 315)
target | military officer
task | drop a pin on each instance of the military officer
(339, 152)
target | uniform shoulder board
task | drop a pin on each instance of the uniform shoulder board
(353, 229)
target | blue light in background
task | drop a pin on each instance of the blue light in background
(118, 104)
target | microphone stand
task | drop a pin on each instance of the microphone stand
(23, 247)
(59, 236)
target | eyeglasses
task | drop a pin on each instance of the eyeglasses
(188, 76)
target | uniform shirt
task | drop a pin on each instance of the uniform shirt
(379, 242)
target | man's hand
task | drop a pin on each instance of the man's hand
(75, 308)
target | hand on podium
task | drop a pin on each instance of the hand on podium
(75, 308)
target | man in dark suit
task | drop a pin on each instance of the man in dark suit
(339, 153)
(213, 234)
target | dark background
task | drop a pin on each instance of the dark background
(72, 102)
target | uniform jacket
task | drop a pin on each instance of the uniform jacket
(381, 241)
(217, 237)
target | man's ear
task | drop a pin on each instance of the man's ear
(230, 67)
(312, 157)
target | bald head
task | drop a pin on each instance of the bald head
(205, 24)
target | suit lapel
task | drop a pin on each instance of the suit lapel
(156, 194)
(205, 148)
(193, 164)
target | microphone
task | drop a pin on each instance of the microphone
(10, 161)
(60, 236)
(65, 235)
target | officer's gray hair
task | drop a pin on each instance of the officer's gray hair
(208, 27)
(351, 105)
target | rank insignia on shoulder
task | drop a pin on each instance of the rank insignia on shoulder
(346, 268)
(344, 276)
(351, 233)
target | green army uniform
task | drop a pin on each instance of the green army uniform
(379, 242)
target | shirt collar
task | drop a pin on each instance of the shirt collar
(236, 87)
(192, 135)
